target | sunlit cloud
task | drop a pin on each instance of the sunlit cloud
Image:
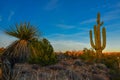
(52, 4)
(64, 45)
(113, 44)
(5, 40)
(64, 42)
(11, 15)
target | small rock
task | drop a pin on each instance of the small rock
(78, 63)
(101, 66)
(61, 56)
(100, 77)
(57, 67)
(65, 63)
(36, 67)
(73, 75)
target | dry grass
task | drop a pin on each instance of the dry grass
(0, 73)
(2, 49)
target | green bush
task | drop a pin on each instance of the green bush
(44, 54)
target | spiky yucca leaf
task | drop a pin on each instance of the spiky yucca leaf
(23, 31)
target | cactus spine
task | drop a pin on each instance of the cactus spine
(96, 44)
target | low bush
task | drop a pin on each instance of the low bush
(44, 54)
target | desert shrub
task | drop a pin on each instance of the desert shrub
(2, 50)
(72, 54)
(112, 61)
(88, 55)
(43, 61)
(43, 54)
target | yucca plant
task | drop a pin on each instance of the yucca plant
(20, 50)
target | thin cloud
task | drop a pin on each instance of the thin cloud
(109, 16)
(118, 5)
(0, 18)
(63, 26)
(52, 4)
(88, 21)
(114, 26)
(105, 5)
(85, 29)
(76, 36)
(11, 15)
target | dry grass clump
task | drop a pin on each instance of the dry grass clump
(73, 54)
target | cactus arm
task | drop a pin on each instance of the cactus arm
(98, 18)
(104, 38)
(98, 37)
(98, 31)
(91, 40)
(95, 36)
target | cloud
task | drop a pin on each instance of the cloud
(52, 4)
(113, 26)
(117, 5)
(113, 14)
(0, 18)
(113, 6)
(113, 44)
(88, 21)
(11, 15)
(6, 40)
(108, 16)
(65, 45)
(63, 26)
(75, 36)
(107, 5)
(64, 42)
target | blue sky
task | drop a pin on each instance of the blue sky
(65, 23)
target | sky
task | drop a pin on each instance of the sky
(65, 23)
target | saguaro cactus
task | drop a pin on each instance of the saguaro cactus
(97, 44)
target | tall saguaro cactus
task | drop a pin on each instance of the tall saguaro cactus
(96, 43)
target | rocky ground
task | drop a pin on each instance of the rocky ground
(65, 69)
